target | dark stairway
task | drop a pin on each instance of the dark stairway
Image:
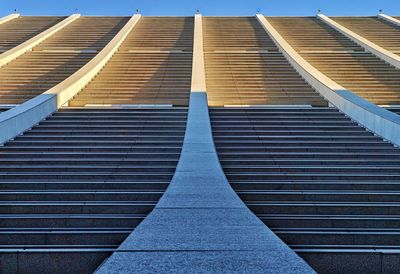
(76, 185)
(323, 184)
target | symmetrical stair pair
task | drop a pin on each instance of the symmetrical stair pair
(74, 186)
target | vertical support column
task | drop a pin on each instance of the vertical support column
(200, 225)
(389, 19)
(9, 18)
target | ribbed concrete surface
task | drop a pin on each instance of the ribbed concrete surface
(56, 58)
(376, 30)
(341, 59)
(152, 66)
(20, 29)
(244, 67)
(77, 184)
(324, 185)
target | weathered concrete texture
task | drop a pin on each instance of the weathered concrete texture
(372, 262)
(378, 51)
(200, 224)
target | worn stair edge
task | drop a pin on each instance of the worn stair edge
(376, 119)
(384, 54)
(23, 117)
(200, 225)
(389, 19)
(9, 17)
(26, 46)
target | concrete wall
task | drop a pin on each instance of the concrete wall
(378, 120)
(378, 51)
(21, 118)
(17, 51)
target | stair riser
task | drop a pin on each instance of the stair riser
(71, 222)
(63, 238)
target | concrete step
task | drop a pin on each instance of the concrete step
(62, 236)
(335, 185)
(144, 185)
(358, 237)
(70, 221)
(77, 207)
(321, 195)
(313, 221)
(349, 208)
(70, 195)
(57, 260)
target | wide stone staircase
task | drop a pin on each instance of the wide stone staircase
(244, 67)
(56, 58)
(153, 66)
(22, 28)
(341, 59)
(378, 31)
(323, 184)
(76, 185)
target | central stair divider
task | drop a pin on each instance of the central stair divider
(200, 224)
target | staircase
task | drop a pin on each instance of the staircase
(56, 58)
(376, 30)
(244, 67)
(153, 66)
(76, 185)
(22, 28)
(323, 184)
(340, 59)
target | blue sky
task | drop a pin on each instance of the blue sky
(206, 7)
